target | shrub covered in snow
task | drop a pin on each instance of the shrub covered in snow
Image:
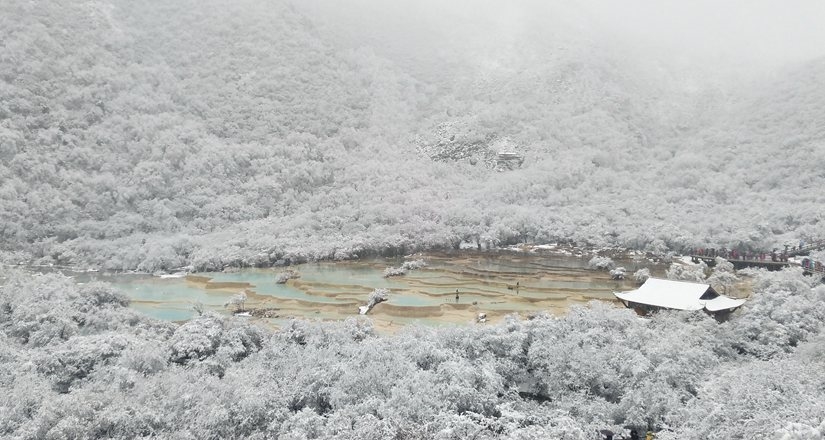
(601, 263)
(287, 275)
(414, 264)
(394, 272)
(641, 275)
(237, 301)
(405, 267)
(618, 273)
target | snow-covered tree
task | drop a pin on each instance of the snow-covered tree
(601, 263)
(287, 275)
(237, 301)
(723, 275)
(687, 272)
(801, 431)
(414, 264)
(618, 273)
(597, 367)
(394, 272)
(376, 296)
(641, 275)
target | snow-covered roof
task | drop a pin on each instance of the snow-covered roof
(679, 295)
(723, 302)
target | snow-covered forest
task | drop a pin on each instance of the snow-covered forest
(157, 134)
(152, 135)
(76, 363)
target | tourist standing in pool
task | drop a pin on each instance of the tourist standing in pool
(456, 295)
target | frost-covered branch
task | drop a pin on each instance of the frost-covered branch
(377, 296)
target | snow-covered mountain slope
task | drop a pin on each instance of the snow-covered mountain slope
(154, 134)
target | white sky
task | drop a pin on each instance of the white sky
(763, 31)
(778, 31)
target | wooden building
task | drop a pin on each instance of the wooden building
(657, 293)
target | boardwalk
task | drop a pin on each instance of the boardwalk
(776, 261)
(805, 250)
(741, 264)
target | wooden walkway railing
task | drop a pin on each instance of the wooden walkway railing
(805, 250)
(741, 264)
(812, 267)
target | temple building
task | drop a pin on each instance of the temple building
(657, 293)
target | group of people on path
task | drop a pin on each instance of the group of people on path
(812, 265)
(746, 255)
(733, 254)
(634, 435)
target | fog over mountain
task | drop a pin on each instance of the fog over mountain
(161, 134)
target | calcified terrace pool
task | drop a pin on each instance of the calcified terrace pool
(493, 283)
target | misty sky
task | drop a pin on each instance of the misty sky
(758, 32)
(774, 30)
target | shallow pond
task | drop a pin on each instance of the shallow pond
(493, 283)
